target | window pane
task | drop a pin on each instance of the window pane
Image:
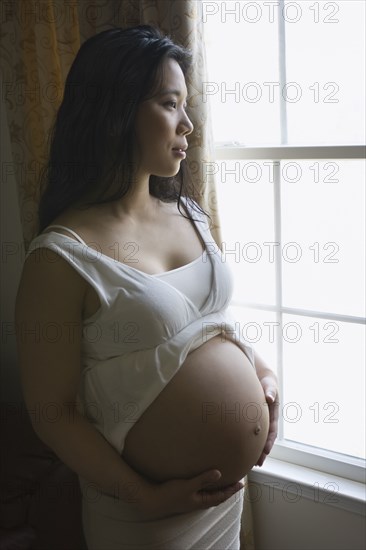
(245, 198)
(242, 56)
(323, 235)
(325, 59)
(323, 402)
(325, 71)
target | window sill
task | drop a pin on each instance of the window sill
(237, 151)
(297, 481)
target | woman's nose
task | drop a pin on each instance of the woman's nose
(186, 126)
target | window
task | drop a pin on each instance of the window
(286, 96)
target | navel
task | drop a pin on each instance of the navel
(257, 429)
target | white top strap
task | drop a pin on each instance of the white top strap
(70, 231)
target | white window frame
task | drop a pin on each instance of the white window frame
(296, 453)
(284, 450)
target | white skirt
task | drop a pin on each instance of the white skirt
(110, 524)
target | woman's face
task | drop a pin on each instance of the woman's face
(162, 125)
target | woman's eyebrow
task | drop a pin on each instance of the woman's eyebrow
(173, 92)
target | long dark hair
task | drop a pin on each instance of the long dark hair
(92, 139)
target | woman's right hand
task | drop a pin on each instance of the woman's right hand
(179, 496)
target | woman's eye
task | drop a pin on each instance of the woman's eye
(172, 104)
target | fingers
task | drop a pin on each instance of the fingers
(183, 496)
(272, 433)
(205, 481)
(206, 498)
(261, 459)
(274, 411)
(270, 388)
(270, 396)
(207, 494)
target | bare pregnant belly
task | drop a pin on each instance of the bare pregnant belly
(212, 414)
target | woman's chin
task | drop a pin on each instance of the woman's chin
(167, 173)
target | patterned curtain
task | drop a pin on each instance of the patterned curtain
(39, 40)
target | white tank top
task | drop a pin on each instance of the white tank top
(145, 327)
(193, 279)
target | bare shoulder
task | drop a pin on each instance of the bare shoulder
(75, 218)
(48, 281)
(48, 321)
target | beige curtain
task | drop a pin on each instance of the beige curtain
(40, 39)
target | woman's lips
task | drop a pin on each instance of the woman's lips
(179, 153)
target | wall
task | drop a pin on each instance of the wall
(12, 254)
(294, 515)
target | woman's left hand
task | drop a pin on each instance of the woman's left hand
(270, 389)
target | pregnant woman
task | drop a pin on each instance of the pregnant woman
(122, 313)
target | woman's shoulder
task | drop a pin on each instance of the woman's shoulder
(50, 252)
(72, 218)
(45, 271)
(77, 224)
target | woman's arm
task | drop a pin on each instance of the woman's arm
(49, 309)
(268, 379)
(48, 318)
